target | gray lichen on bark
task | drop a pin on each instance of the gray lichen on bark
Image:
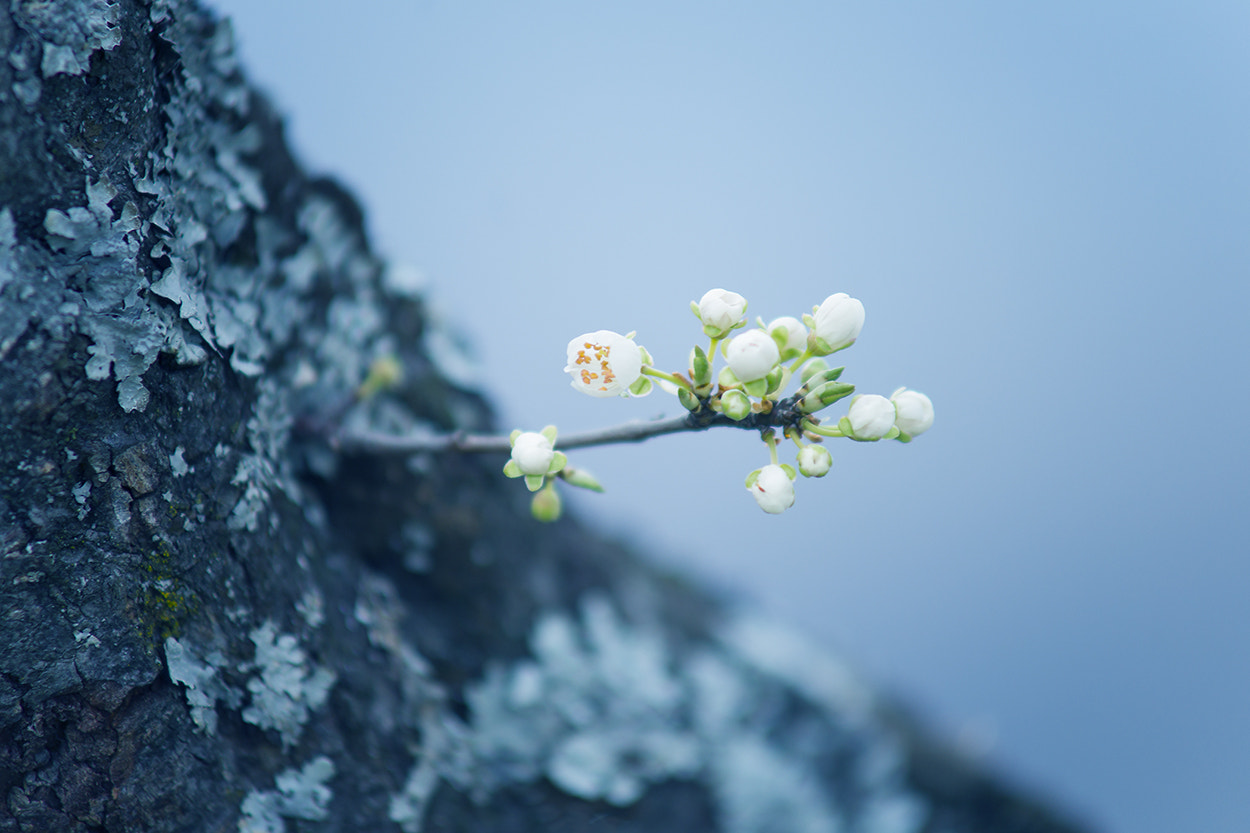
(210, 620)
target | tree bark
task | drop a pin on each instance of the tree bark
(211, 619)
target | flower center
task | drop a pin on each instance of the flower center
(592, 354)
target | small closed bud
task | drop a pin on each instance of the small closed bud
(815, 461)
(532, 454)
(545, 506)
(735, 404)
(720, 311)
(836, 324)
(871, 417)
(773, 488)
(790, 335)
(752, 355)
(915, 412)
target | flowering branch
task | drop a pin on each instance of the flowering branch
(747, 393)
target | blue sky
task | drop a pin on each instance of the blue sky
(1045, 209)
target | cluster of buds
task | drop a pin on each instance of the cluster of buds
(747, 391)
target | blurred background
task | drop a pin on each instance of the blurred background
(1045, 209)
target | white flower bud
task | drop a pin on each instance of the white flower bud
(533, 453)
(915, 411)
(871, 416)
(603, 363)
(836, 324)
(790, 335)
(815, 461)
(773, 489)
(720, 310)
(752, 355)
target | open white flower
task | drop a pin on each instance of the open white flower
(720, 311)
(752, 355)
(603, 363)
(915, 411)
(836, 324)
(871, 416)
(772, 489)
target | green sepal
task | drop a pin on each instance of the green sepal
(549, 432)
(582, 479)
(727, 379)
(688, 400)
(892, 434)
(844, 425)
(534, 482)
(641, 386)
(694, 307)
(789, 470)
(757, 388)
(512, 437)
(647, 361)
(818, 346)
(511, 469)
(809, 320)
(712, 332)
(559, 461)
(776, 379)
(752, 477)
(903, 438)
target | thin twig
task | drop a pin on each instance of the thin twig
(784, 413)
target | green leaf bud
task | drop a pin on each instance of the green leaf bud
(688, 400)
(581, 478)
(700, 367)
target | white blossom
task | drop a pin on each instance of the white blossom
(752, 355)
(836, 323)
(603, 363)
(815, 461)
(915, 411)
(533, 453)
(773, 489)
(871, 416)
(720, 311)
(790, 334)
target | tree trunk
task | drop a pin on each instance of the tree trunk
(212, 620)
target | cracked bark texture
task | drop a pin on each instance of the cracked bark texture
(210, 621)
